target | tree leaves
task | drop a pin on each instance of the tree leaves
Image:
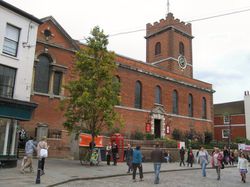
(93, 95)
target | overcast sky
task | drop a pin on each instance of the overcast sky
(221, 50)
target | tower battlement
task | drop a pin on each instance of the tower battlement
(170, 21)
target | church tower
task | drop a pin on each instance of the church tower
(169, 45)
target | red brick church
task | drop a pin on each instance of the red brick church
(158, 95)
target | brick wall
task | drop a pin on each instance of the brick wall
(59, 148)
(237, 125)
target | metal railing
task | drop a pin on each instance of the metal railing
(54, 133)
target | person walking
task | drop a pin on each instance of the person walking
(182, 155)
(236, 155)
(42, 145)
(114, 150)
(129, 157)
(108, 153)
(137, 163)
(226, 154)
(243, 166)
(190, 157)
(216, 161)
(197, 156)
(167, 156)
(30, 147)
(231, 158)
(203, 160)
(157, 158)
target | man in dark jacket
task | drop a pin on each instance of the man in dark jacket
(182, 154)
(157, 158)
(128, 157)
(114, 150)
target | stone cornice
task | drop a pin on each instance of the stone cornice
(164, 77)
(55, 45)
(232, 125)
(168, 114)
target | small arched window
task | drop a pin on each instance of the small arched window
(190, 105)
(175, 102)
(204, 108)
(181, 49)
(158, 94)
(157, 48)
(138, 94)
(42, 74)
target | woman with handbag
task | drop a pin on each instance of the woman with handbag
(203, 160)
(42, 152)
(216, 161)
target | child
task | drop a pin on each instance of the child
(242, 165)
(94, 158)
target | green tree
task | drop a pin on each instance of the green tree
(177, 134)
(95, 90)
(208, 136)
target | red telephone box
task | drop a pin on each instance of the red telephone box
(119, 140)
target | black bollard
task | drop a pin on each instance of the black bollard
(38, 181)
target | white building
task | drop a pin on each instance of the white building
(247, 113)
(18, 32)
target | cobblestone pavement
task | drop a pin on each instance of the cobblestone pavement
(192, 178)
(62, 171)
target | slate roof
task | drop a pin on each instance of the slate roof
(236, 107)
(20, 12)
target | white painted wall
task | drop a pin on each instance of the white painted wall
(247, 113)
(25, 55)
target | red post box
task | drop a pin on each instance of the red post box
(119, 140)
(148, 127)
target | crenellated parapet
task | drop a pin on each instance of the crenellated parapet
(168, 23)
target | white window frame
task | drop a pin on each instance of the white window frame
(223, 133)
(226, 119)
(11, 40)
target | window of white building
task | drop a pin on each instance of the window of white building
(7, 81)
(11, 40)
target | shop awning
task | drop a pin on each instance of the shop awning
(16, 109)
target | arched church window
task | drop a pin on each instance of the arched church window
(138, 94)
(117, 80)
(204, 108)
(158, 94)
(175, 102)
(157, 48)
(190, 105)
(181, 49)
(42, 74)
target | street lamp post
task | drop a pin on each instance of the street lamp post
(38, 176)
(227, 121)
(230, 131)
